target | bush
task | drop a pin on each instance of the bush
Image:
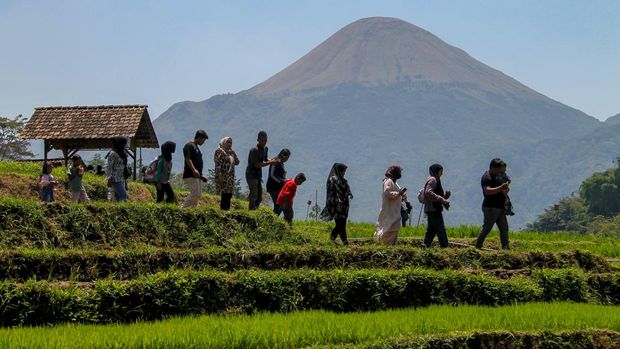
(107, 225)
(80, 265)
(186, 292)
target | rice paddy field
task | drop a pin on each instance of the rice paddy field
(141, 275)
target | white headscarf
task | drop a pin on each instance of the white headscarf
(228, 152)
(223, 141)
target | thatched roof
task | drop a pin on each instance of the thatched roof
(91, 127)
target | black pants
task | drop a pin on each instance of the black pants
(274, 197)
(225, 199)
(340, 230)
(437, 227)
(404, 216)
(165, 188)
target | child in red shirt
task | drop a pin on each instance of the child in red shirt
(287, 194)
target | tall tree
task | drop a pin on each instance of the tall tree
(11, 146)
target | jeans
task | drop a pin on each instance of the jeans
(47, 194)
(340, 230)
(120, 191)
(437, 227)
(165, 188)
(194, 184)
(494, 216)
(274, 197)
(225, 199)
(256, 193)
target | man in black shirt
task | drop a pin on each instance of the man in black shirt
(192, 171)
(494, 190)
(257, 159)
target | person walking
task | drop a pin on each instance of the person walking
(75, 174)
(117, 169)
(277, 177)
(164, 169)
(435, 199)
(225, 160)
(495, 190)
(287, 195)
(257, 159)
(47, 183)
(192, 169)
(337, 201)
(388, 223)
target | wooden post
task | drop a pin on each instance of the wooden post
(46, 149)
(135, 162)
(65, 154)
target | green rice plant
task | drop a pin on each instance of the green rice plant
(556, 324)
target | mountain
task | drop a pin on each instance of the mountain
(613, 120)
(383, 91)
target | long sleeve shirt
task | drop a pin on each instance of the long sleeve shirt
(431, 197)
(116, 167)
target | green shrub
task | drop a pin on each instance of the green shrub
(89, 265)
(189, 292)
(107, 225)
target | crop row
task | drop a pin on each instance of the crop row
(189, 292)
(79, 265)
(107, 225)
(592, 339)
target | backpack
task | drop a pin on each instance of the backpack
(422, 195)
(151, 171)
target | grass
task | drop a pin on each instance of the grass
(299, 329)
(520, 240)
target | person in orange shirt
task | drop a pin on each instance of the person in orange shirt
(287, 194)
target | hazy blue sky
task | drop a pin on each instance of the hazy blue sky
(160, 52)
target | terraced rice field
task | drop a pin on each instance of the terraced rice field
(148, 276)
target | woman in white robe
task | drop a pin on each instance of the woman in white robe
(388, 223)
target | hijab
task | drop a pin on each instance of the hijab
(223, 141)
(227, 152)
(337, 170)
(433, 171)
(167, 149)
(394, 172)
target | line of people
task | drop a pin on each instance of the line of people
(495, 186)
(496, 205)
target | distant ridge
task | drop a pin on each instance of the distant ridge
(613, 120)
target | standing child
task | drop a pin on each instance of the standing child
(47, 182)
(287, 194)
(75, 174)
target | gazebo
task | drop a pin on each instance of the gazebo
(71, 129)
